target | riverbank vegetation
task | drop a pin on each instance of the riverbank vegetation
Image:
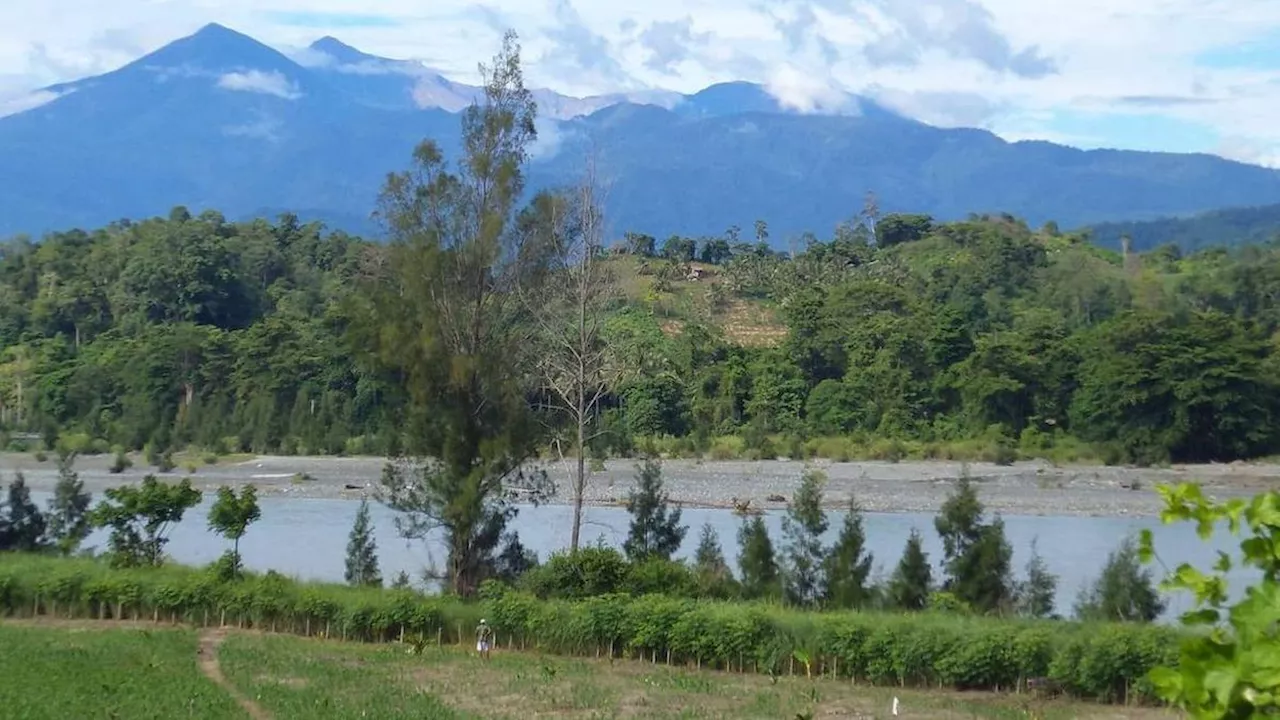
(1106, 662)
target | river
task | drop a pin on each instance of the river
(306, 538)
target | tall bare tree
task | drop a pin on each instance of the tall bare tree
(570, 307)
(444, 314)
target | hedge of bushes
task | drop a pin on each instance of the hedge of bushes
(1103, 662)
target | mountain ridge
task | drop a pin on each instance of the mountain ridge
(218, 120)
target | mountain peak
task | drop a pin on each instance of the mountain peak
(338, 50)
(216, 47)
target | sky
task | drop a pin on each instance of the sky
(1171, 75)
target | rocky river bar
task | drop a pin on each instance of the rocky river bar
(1025, 488)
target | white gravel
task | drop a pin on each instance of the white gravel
(1029, 488)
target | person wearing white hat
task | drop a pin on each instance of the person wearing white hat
(484, 639)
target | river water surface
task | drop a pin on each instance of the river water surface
(306, 538)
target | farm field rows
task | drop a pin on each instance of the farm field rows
(91, 669)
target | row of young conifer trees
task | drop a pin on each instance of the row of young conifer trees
(802, 570)
(977, 574)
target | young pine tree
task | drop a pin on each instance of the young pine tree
(848, 565)
(803, 527)
(756, 561)
(362, 551)
(978, 558)
(912, 580)
(22, 525)
(1036, 593)
(1123, 592)
(655, 531)
(712, 573)
(709, 558)
(68, 513)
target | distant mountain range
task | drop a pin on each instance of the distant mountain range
(220, 121)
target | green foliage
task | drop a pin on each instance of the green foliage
(120, 463)
(757, 564)
(1035, 595)
(22, 525)
(1123, 592)
(977, 556)
(103, 672)
(362, 551)
(847, 567)
(140, 517)
(67, 518)
(1232, 670)
(973, 340)
(1107, 662)
(231, 515)
(589, 572)
(439, 312)
(803, 527)
(655, 530)
(714, 578)
(912, 581)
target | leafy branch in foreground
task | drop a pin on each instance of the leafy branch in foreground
(1232, 671)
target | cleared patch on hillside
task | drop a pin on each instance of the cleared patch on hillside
(701, 295)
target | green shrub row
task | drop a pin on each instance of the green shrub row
(1103, 662)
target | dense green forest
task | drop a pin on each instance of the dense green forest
(192, 330)
(1228, 226)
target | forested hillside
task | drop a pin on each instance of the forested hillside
(1228, 226)
(982, 335)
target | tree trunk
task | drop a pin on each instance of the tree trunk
(579, 481)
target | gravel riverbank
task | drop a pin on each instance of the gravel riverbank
(1028, 488)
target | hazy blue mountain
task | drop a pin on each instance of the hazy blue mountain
(1227, 226)
(218, 120)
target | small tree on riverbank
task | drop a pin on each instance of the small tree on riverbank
(231, 516)
(912, 580)
(756, 560)
(22, 525)
(655, 531)
(1036, 594)
(68, 513)
(140, 517)
(803, 527)
(848, 565)
(1123, 592)
(978, 557)
(362, 551)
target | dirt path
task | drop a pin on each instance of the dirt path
(207, 653)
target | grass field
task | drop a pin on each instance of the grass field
(101, 670)
(84, 671)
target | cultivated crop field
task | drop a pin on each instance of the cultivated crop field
(91, 669)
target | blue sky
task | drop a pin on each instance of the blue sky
(1260, 53)
(1174, 75)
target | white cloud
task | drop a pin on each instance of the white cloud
(267, 83)
(796, 90)
(937, 59)
(22, 102)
